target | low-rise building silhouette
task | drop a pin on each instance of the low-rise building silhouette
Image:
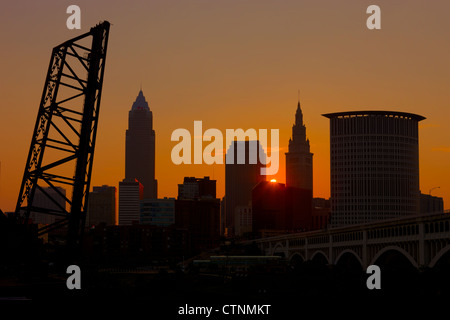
(51, 199)
(102, 206)
(194, 188)
(158, 212)
(130, 194)
(197, 210)
(431, 204)
(278, 209)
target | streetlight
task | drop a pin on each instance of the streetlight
(432, 190)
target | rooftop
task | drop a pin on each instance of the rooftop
(393, 114)
(140, 103)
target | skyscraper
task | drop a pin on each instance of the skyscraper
(140, 147)
(240, 179)
(374, 166)
(299, 159)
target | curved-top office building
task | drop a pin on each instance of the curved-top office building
(374, 166)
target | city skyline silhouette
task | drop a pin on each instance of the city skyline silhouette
(357, 189)
(252, 68)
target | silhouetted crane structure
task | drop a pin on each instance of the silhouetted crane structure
(63, 142)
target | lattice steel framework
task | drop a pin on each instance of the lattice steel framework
(62, 146)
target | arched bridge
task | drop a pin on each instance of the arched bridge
(423, 240)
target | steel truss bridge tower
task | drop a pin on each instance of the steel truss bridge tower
(62, 146)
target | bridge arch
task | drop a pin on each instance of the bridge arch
(394, 248)
(279, 250)
(348, 251)
(439, 255)
(296, 256)
(320, 256)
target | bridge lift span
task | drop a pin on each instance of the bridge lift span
(63, 141)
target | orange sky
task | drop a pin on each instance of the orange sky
(234, 64)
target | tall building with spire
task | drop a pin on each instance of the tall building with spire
(140, 147)
(299, 159)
